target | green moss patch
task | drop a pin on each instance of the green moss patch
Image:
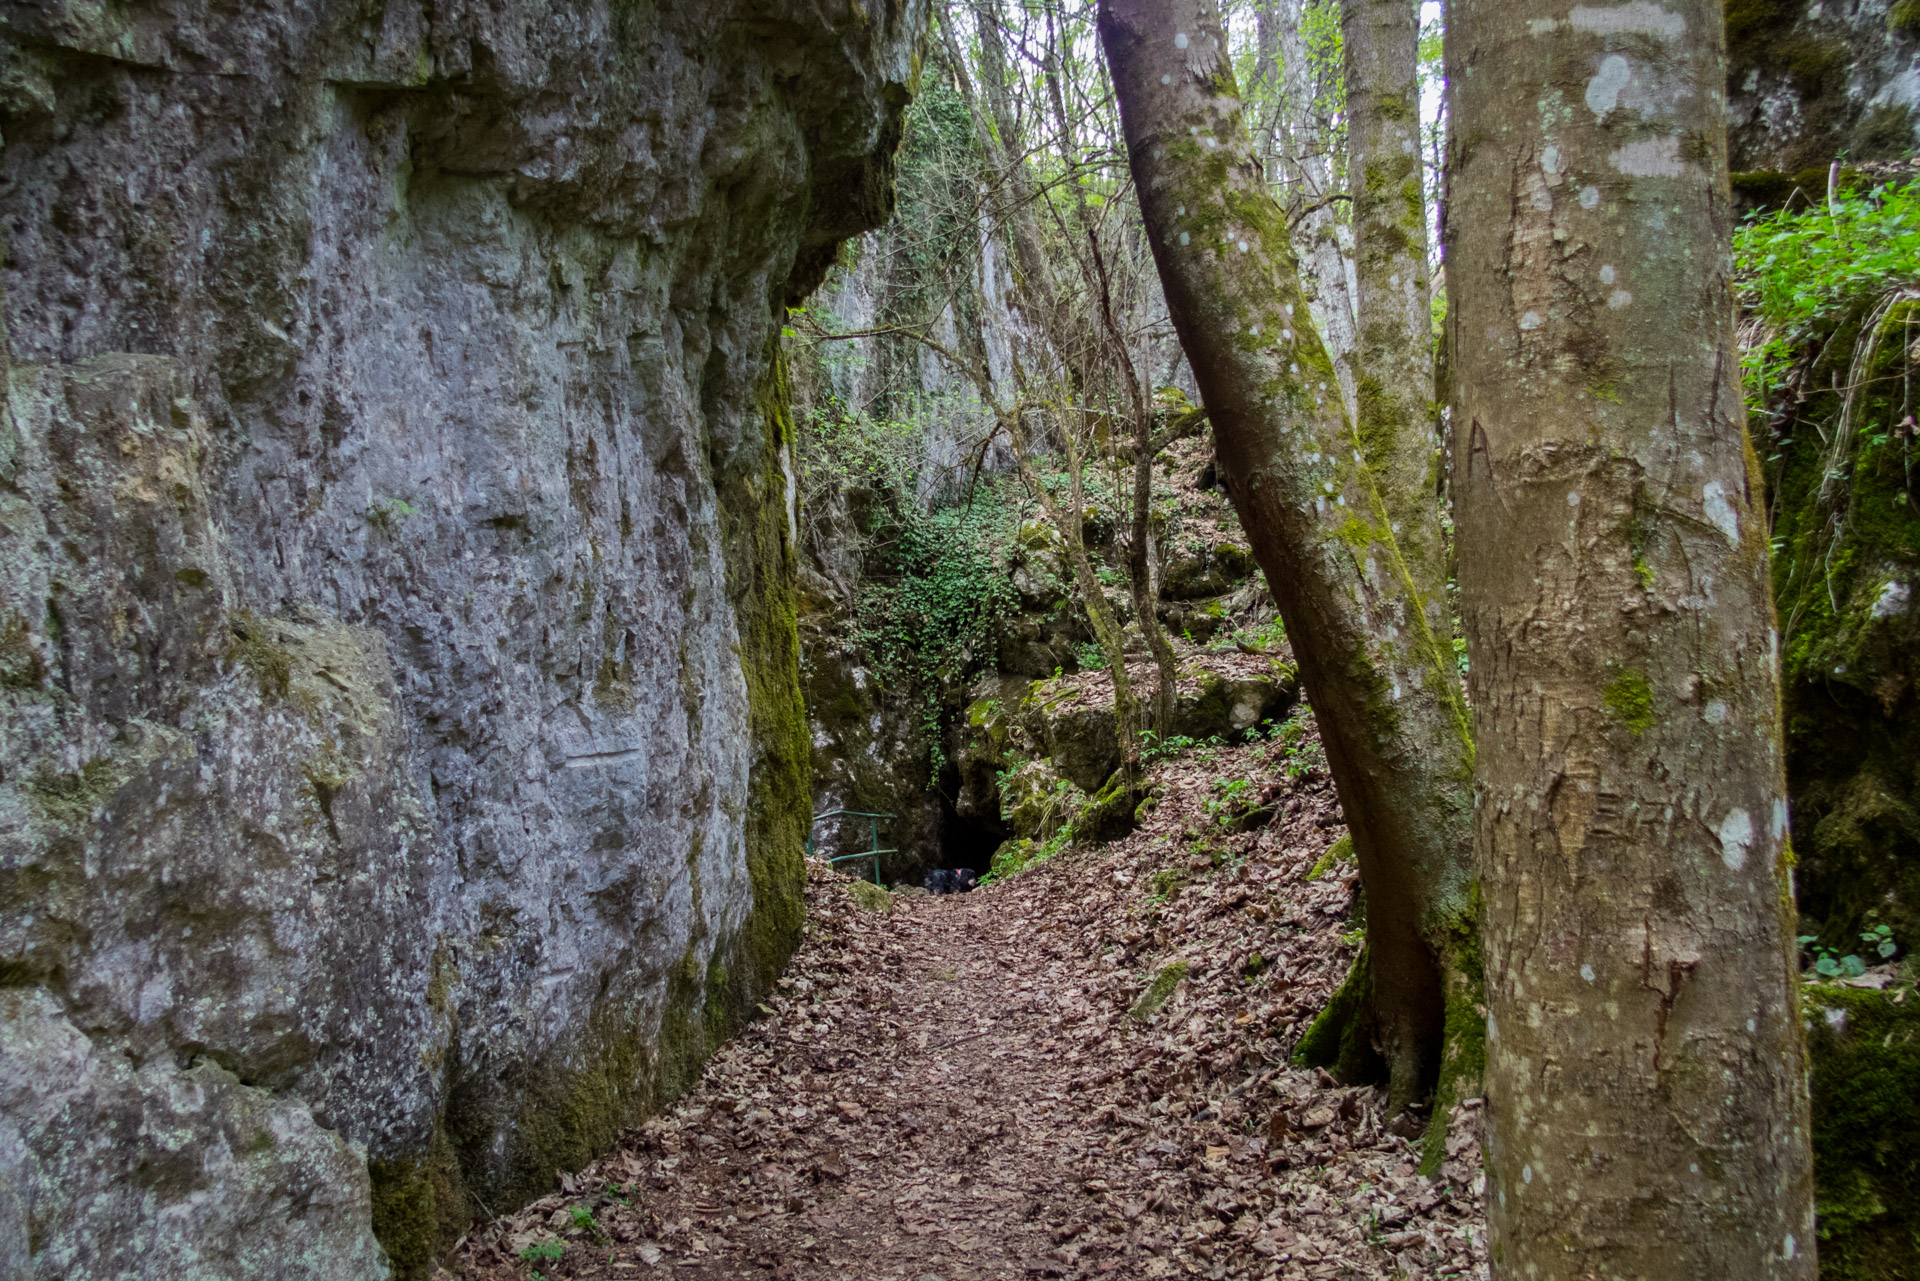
(1158, 992)
(1341, 1037)
(420, 1207)
(1630, 698)
(1341, 851)
(1865, 1048)
(1110, 815)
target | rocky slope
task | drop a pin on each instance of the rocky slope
(401, 754)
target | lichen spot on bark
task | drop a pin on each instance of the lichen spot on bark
(1736, 838)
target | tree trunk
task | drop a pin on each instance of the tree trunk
(1370, 635)
(1394, 369)
(1139, 570)
(1106, 628)
(1645, 1072)
(1396, 415)
(1070, 339)
(1306, 136)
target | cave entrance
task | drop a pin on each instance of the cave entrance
(965, 841)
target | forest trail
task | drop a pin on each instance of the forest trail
(967, 1087)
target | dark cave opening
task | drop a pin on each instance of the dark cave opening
(965, 841)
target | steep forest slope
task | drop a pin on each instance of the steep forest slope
(401, 758)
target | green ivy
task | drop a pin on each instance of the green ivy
(938, 589)
(1797, 271)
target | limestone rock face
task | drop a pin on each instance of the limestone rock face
(402, 765)
(1809, 83)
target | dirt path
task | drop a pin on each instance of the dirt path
(957, 1090)
(914, 1125)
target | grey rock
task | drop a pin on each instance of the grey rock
(401, 752)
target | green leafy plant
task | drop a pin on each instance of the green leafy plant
(1155, 748)
(389, 512)
(1299, 753)
(1796, 270)
(1229, 800)
(1263, 639)
(1827, 962)
(548, 1251)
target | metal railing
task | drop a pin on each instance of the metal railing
(873, 853)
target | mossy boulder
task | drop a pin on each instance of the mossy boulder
(1036, 802)
(1197, 570)
(1231, 706)
(1110, 814)
(1807, 82)
(1865, 1050)
(1847, 579)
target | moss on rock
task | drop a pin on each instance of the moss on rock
(1865, 1049)
(1110, 814)
(420, 1207)
(1158, 992)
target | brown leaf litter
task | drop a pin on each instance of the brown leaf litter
(955, 1090)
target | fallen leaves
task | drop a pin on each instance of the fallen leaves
(957, 1090)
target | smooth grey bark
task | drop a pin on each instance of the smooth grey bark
(1645, 1069)
(1393, 308)
(1367, 629)
(1306, 163)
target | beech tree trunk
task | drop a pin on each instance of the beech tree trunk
(1368, 628)
(1394, 354)
(1645, 1072)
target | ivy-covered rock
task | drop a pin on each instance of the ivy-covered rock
(1847, 559)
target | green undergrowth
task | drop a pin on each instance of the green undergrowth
(1801, 272)
(936, 591)
(1831, 369)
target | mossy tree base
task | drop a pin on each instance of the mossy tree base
(1341, 1036)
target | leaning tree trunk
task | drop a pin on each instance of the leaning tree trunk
(1394, 370)
(1368, 628)
(1645, 1071)
(1394, 351)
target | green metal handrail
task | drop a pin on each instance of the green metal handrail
(873, 853)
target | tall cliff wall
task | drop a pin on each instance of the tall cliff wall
(402, 764)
